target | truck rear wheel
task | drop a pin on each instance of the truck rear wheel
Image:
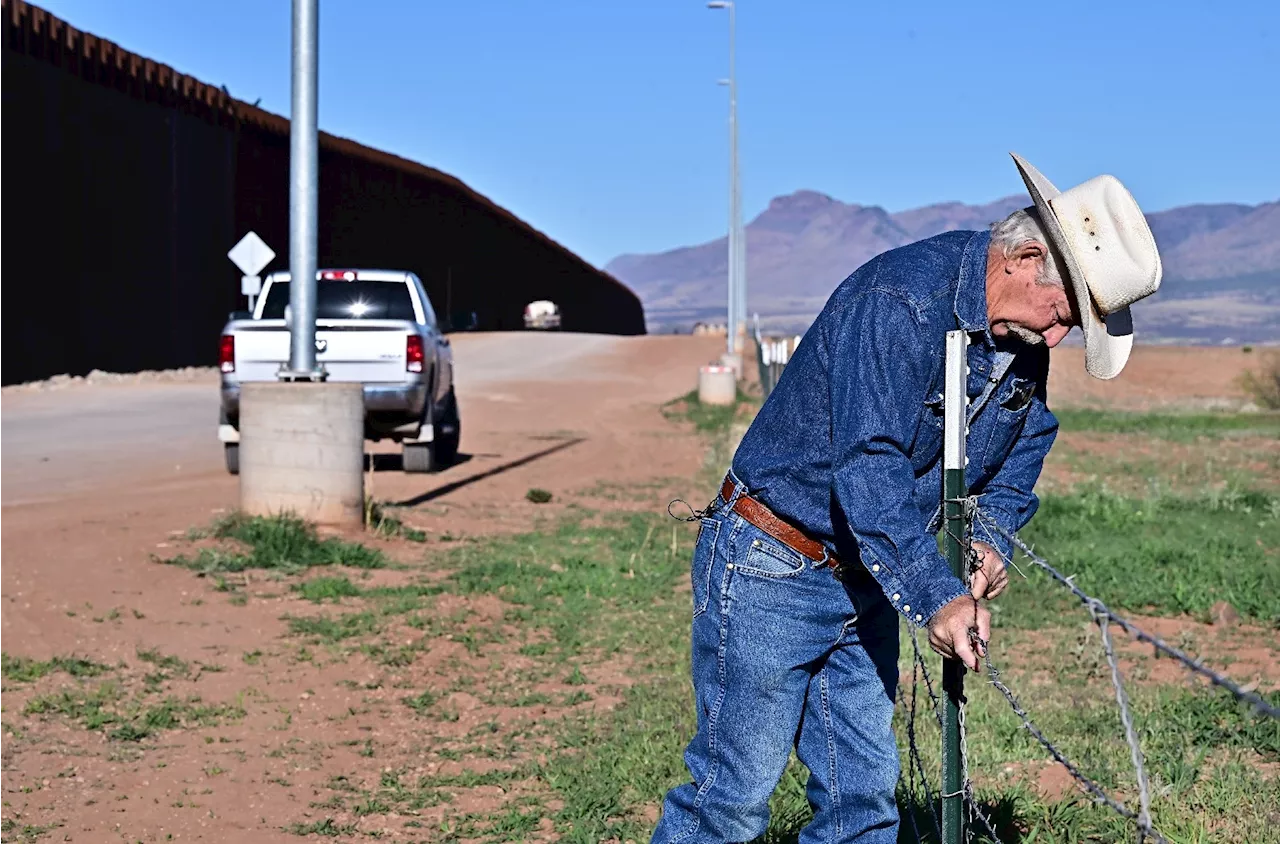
(448, 431)
(419, 457)
(232, 453)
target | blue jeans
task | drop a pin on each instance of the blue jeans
(785, 654)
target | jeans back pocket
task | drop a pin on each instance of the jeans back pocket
(704, 554)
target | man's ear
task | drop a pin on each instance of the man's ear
(1031, 251)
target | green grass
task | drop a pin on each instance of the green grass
(383, 524)
(13, 831)
(1180, 427)
(595, 587)
(331, 629)
(707, 418)
(17, 669)
(280, 543)
(109, 709)
(321, 589)
(162, 661)
(1163, 554)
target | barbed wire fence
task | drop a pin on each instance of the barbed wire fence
(915, 780)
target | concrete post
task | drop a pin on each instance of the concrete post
(302, 451)
(717, 385)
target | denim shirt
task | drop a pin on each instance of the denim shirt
(848, 447)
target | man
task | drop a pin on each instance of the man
(824, 531)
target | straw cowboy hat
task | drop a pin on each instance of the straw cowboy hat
(1110, 258)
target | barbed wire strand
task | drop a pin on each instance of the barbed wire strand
(1126, 720)
(973, 563)
(1143, 817)
(915, 763)
(1252, 698)
(1100, 795)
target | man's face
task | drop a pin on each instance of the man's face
(1036, 313)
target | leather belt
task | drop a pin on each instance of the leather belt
(762, 517)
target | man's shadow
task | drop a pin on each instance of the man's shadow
(1002, 812)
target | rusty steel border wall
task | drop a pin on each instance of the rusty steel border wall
(126, 182)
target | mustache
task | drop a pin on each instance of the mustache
(1026, 335)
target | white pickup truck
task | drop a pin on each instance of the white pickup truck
(375, 327)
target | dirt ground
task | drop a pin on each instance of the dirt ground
(1203, 377)
(80, 578)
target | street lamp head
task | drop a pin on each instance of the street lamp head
(719, 4)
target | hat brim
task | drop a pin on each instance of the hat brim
(1107, 341)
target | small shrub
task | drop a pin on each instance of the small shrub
(538, 496)
(284, 543)
(1263, 385)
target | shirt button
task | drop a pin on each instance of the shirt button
(919, 617)
(755, 544)
(875, 567)
(896, 596)
(906, 608)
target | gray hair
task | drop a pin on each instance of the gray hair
(1023, 226)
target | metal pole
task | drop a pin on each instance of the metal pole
(739, 310)
(732, 315)
(303, 191)
(740, 238)
(955, 413)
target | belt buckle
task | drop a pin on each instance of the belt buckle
(838, 570)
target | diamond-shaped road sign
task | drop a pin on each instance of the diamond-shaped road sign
(251, 254)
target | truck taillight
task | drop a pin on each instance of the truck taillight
(227, 353)
(414, 355)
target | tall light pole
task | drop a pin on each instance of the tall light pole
(304, 168)
(737, 293)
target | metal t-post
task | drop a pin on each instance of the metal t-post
(303, 194)
(955, 420)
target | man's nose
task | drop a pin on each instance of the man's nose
(1055, 335)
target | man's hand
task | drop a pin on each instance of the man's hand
(949, 630)
(991, 577)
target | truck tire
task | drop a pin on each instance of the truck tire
(449, 428)
(419, 457)
(232, 452)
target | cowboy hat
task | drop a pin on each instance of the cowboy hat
(1109, 255)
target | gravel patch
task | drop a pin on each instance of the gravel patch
(98, 378)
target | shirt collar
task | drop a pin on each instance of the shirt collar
(971, 292)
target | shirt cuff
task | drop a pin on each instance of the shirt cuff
(920, 590)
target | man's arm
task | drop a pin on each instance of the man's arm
(881, 366)
(1007, 499)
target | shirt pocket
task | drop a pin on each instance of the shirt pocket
(704, 556)
(1012, 403)
(766, 557)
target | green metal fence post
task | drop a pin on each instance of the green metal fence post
(955, 413)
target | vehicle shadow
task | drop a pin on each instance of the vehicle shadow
(454, 486)
(395, 462)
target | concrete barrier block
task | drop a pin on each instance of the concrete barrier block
(302, 451)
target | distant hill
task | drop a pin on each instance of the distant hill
(1221, 262)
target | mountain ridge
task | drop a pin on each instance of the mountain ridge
(1221, 262)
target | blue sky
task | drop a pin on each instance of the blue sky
(601, 122)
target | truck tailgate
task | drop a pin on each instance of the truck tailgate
(368, 351)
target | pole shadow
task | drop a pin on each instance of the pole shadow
(446, 489)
